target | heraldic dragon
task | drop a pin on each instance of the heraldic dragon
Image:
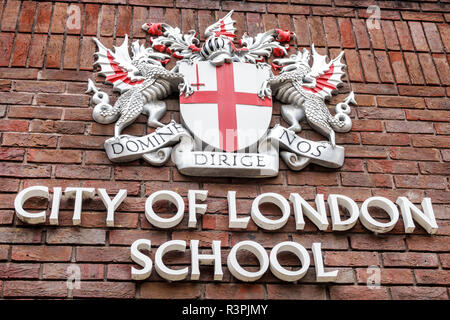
(144, 81)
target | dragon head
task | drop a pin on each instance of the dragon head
(145, 57)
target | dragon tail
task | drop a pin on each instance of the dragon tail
(341, 121)
(103, 112)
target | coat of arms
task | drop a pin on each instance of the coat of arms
(226, 93)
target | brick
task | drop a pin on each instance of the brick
(234, 291)
(21, 48)
(20, 170)
(429, 71)
(385, 139)
(421, 182)
(15, 98)
(387, 276)
(4, 252)
(437, 103)
(127, 237)
(377, 242)
(119, 272)
(362, 38)
(62, 127)
(410, 259)
(445, 260)
(312, 178)
(54, 51)
(288, 9)
(329, 241)
(365, 152)
(350, 258)
(81, 142)
(357, 293)
(155, 290)
(75, 236)
(431, 141)
(19, 271)
(34, 112)
(39, 86)
(443, 30)
(372, 88)
(10, 15)
(331, 31)
(140, 173)
(9, 185)
(404, 36)
(384, 67)
(316, 31)
(369, 66)
(37, 51)
(301, 31)
(13, 125)
(54, 156)
(91, 19)
(438, 196)
(405, 153)
(43, 17)
(390, 166)
(432, 35)
(71, 52)
(86, 172)
(103, 254)
(62, 271)
(401, 75)
(6, 42)
(19, 235)
(27, 16)
(65, 75)
(434, 168)
(35, 289)
(409, 127)
(414, 70)
(29, 140)
(365, 180)
(442, 67)
(50, 99)
(380, 113)
(112, 290)
(41, 253)
(353, 65)
(400, 102)
(59, 18)
(435, 277)
(421, 91)
(206, 237)
(299, 292)
(419, 293)
(390, 35)
(424, 243)
(423, 16)
(345, 27)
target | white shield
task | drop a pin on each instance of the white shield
(225, 111)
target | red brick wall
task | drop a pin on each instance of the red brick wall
(399, 146)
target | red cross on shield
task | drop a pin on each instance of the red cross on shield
(225, 111)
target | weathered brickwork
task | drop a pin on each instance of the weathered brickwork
(399, 146)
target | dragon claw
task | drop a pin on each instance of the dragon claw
(186, 89)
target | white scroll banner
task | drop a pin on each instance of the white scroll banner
(151, 147)
(300, 152)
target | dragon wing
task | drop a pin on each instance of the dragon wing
(327, 75)
(117, 67)
(255, 49)
(223, 27)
